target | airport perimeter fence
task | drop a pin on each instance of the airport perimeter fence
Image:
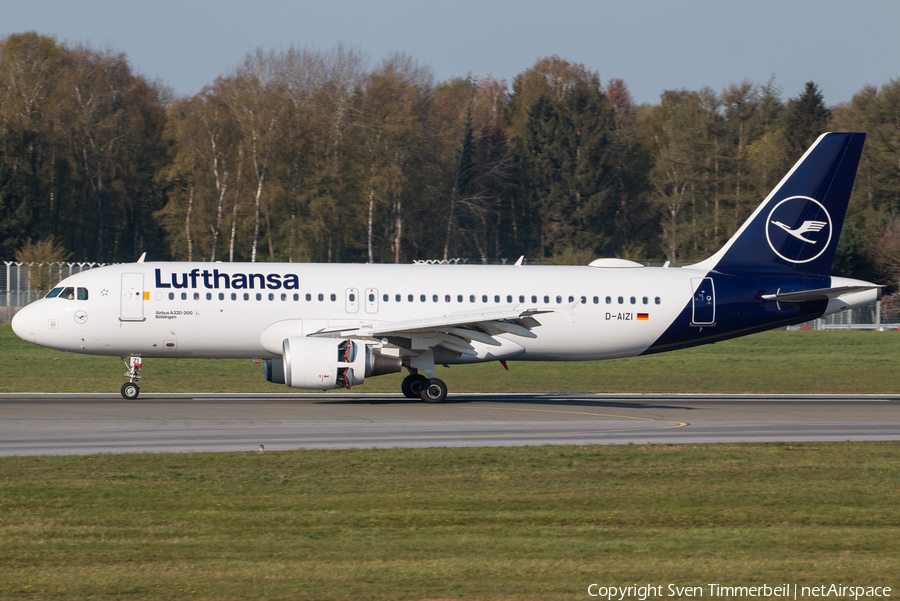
(883, 315)
(23, 283)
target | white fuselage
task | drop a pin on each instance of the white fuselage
(136, 309)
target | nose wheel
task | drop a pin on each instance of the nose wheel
(130, 391)
(130, 388)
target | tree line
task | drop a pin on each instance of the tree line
(307, 155)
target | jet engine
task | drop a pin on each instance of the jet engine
(326, 363)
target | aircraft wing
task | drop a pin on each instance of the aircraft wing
(815, 295)
(454, 331)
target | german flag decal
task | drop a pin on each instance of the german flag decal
(643, 316)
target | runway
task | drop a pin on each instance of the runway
(64, 424)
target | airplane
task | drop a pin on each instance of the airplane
(331, 326)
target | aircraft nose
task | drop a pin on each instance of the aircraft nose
(24, 322)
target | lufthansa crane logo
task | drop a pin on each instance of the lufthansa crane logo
(798, 229)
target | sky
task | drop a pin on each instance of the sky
(652, 45)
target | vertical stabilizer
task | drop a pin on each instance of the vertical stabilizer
(796, 228)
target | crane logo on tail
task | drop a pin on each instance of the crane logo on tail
(799, 229)
(808, 226)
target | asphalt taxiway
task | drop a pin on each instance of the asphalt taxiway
(80, 423)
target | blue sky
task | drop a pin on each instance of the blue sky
(652, 45)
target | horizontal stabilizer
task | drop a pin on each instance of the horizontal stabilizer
(817, 295)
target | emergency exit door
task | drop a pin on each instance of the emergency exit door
(704, 301)
(132, 297)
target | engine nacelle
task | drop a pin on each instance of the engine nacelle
(274, 370)
(326, 363)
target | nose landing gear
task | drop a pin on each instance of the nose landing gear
(130, 389)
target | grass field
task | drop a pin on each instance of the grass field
(778, 362)
(503, 523)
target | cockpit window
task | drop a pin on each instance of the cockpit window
(69, 293)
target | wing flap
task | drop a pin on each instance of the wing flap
(455, 331)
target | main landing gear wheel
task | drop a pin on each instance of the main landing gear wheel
(412, 386)
(434, 392)
(130, 391)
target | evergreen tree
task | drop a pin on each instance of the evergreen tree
(805, 119)
(568, 169)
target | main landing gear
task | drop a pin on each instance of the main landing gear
(430, 390)
(130, 389)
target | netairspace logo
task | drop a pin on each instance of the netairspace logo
(716, 590)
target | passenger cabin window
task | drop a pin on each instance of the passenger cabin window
(172, 296)
(533, 298)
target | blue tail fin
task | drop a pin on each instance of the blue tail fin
(796, 228)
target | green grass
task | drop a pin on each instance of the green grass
(777, 362)
(503, 523)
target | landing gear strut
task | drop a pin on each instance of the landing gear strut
(130, 389)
